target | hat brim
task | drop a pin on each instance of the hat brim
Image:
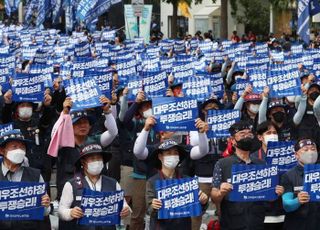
(27, 143)
(105, 155)
(90, 119)
(157, 163)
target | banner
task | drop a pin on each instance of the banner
(199, 88)
(284, 83)
(5, 128)
(84, 7)
(155, 85)
(21, 200)
(220, 121)
(145, 22)
(104, 81)
(258, 79)
(253, 183)
(28, 88)
(130, 22)
(311, 183)
(175, 113)
(281, 154)
(84, 93)
(180, 198)
(101, 208)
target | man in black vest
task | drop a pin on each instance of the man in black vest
(14, 168)
(88, 175)
(236, 215)
(300, 212)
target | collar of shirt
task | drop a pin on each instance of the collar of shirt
(95, 187)
(17, 174)
(240, 161)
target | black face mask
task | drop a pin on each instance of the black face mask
(314, 95)
(245, 144)
(279, 116)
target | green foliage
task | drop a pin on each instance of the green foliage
(254, 15)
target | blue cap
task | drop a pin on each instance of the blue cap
(77, 115)
(13, 135)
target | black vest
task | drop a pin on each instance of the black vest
(307, 216)
(108, 185)
(29, 175)
(239, 215)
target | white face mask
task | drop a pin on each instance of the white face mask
(171, 162)
(95, 167)
(147, 113)
(16, 156)
(309, 157)
(270, 138)
(254, 108)
(25, 112)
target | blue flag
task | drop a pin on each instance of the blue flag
(84, 93)
(303, 20)
(179, 198)
(281, 154)
(84, 7)
(314, 7)
(220, 121)
(312, 181)
(101, 208)
(253, 183)
(175, 113)
(7, 7)
(21, 200)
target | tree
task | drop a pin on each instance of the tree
(254, 15)
(224, 19)
(174, 19)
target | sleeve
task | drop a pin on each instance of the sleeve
(263, 110)
(239, 104)
(7, 113)
(297, 118)
(217, 176)
(150, 195)
(46, 209)
(201, 149)
(108, 136)
(123, 107)
(285, 182)
(114, 111)
(46, 117)
(229, 75)
(66, 200)
(194, 139)
(140, 149)
(316, 109)
(290, 204)
(127, 120)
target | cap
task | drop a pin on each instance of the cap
(303, 142)
(166, 145)
(92, 148)
(274, 104)
(239, 126)
(77, 115)
(13, 135)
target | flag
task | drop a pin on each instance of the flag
(7, 7)
(56, 12)
(303, 20)
(314, 7)
(41, 12)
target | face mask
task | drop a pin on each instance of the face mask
(95, 167)
(314, 95)
(147, 113)
(245, 144)
(171, 162)
(16, 156)
(254, 108)
(291, 99)
(309, 157)
(25, 112)
(270, 138)
(279, 116)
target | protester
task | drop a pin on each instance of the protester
(243, 215)
(166, 159)
(299, 211)
(14, 168)
(89, 175)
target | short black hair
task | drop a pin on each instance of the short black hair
(264, 127)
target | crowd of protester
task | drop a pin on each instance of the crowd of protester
(115, 146)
